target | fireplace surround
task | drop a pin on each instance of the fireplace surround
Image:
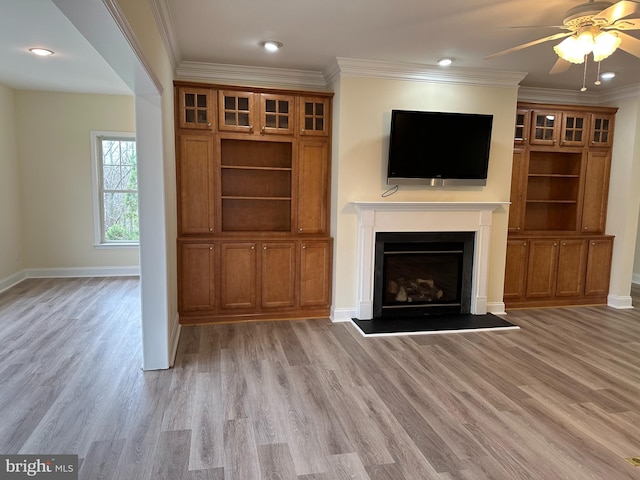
(374, 217)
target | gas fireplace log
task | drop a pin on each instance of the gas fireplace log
(418, 290)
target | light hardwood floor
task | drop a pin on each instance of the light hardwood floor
(311, 400)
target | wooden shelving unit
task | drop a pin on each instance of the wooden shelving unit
(253, 203)
(560, 177)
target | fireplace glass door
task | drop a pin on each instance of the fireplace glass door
(422, 274)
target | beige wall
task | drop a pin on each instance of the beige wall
(53, 136)
(11, 254)
(361, 133)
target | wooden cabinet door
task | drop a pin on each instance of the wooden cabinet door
(596, 191)
(521, 133)
(238, 275)
(598, 266)
(236, 111)
(313, 187)
(196, 108)
(572, 259)
(518, 190)
(196, 270)
(601, 131)
(545, 127)
(542, 267)
(315, 273)
(515, 275)
(574, 129)
(314, 116)
(278, 274)
(277, 114)
(195, 184)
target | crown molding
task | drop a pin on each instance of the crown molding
(350, 67)
(254, 76)
(164, 21)
(550, 95)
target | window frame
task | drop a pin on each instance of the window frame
(97, 184)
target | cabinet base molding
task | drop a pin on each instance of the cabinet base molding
(194, 319)
(558, 302)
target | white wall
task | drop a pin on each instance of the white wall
(624, 199)
(11, 253)
(361, 129)
(53, 137)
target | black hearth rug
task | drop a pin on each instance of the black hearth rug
(432, 324)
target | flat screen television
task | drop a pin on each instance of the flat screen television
(437, 149)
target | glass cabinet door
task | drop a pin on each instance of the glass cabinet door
(236, 112)
(196, 108)
(314, 116)
(544, 127)
(276, 114)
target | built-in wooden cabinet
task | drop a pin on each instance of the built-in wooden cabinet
(196, 108)
(253, 198)
(559, 190)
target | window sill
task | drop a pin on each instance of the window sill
(115, 245)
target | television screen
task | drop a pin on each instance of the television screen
(436, 148)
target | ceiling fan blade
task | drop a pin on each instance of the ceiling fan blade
(560, 66)
(615, 12)
(630, 44)
(530, 44)
(626, 24)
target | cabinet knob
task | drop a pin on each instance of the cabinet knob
(304, 247)
(564, 244)
(518, 228)
(524, 244)
(593, 243)
(210, 247)
(253, 247)
(555, 244)
(209, 124)
(300, 229)
(262, 130)
(264, 247)
(211, 229)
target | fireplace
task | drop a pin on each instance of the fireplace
(422, 273)
(420, 217)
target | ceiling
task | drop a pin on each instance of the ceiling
(314, 34)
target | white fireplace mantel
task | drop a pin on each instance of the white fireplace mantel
(376, 217)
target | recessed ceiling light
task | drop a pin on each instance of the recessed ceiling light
(41, 52)
(272, 45)
(445, 62)
(607, 75)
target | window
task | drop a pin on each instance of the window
(115, 188)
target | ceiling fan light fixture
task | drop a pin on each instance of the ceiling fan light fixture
(605, 43)
(571, 50)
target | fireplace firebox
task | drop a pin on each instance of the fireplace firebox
(422, 273)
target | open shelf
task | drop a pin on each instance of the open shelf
(247, 153)
(553, 187)
(256, 182)
(551, 215)
(256, 214)
(555, 163)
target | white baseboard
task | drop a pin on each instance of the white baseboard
(619, 302)
(16, 278)
(12, 280)
(342, 314)
(497, 308)
(70, 272)
(174, 339)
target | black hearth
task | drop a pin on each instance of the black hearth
(422, 273)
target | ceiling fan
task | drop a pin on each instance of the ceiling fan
(595, 27)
